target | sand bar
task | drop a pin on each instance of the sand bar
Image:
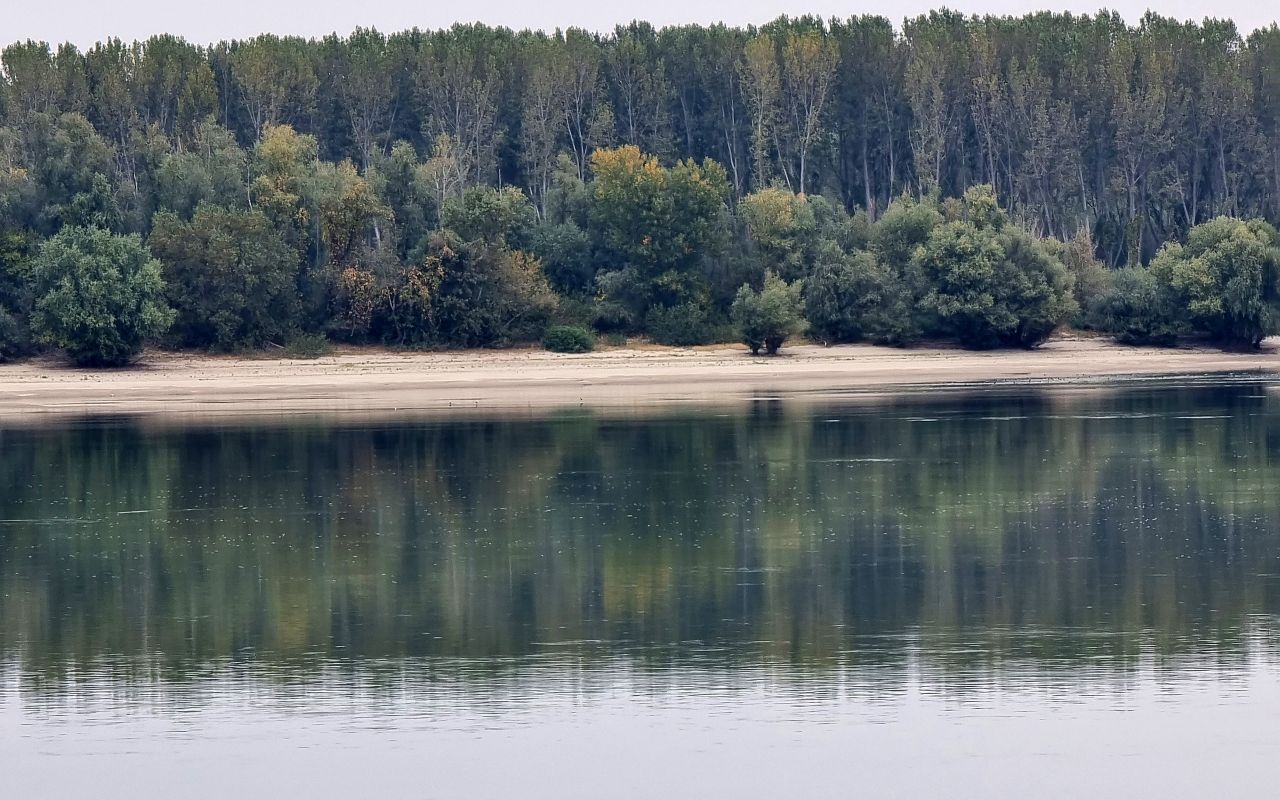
(375, 380)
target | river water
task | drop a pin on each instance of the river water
(1008, 592)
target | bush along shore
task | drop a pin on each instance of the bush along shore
(295, 193)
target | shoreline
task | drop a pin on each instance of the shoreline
(391, 382)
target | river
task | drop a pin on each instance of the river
(1000, 592)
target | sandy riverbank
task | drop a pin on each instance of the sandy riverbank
(382, 381)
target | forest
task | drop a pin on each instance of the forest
(983, 180)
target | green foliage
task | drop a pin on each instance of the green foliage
(568, 339)
(210, 168)
(502, 218)
(407, 191)
(350, 213)
(1226, 278)
(782, 228)
(69, 163)
(683, 325)
(780, 148)
(768, 317)
(905, 226)
(230, 277)
(855, 298)
(482, 296)
(15, 297)
(991, 284)
(1089, 275)
(284, 166)
(1135, 309)
(894, 241)
(308, 346)
(1035, 287)
(15, 336)
(94, 207)
(622, 298)
(660, 222)
(565, 250)
(99, 296)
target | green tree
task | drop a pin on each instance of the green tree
(365, 85)
(660, 222)
(410, 198)
(230, 277)
(209, 168)
(1136, 310)
(548, 80)
(991, 283)
(351, 215)
(63, 158)
(99, 296)
(565, 250)
(895, 239)
(15, 296)
(459, 89)
(768, 317)
(641, 93)
(485, 295)
(276, 78)
(782, 229)
(853, 298)
(1226, 278)
(284, 167)
(762, 85)
(503, 218)
(809, 63)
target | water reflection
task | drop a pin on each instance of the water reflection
(964, 533)
(1037, 589)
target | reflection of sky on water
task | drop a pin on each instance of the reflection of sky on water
(547, 728)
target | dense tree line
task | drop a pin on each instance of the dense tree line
(470, 186)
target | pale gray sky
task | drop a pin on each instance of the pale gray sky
(86, 21)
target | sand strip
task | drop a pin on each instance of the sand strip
(373, 380)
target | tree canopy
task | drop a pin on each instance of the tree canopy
(982, 179)
(99, 295)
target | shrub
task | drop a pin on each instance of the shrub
(1135, 309)
(15, 336)
(99, 296)
(852, 299)
(568, 339)
(767, 317)
(682, 325)
(1225, 279)
(1036, 288)
(990, 282)
(308, 345)
(1091, 276)
(231, 278)
(480, 296)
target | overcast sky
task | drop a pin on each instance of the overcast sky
(86, 21)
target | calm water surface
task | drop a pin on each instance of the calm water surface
(1005, 594)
